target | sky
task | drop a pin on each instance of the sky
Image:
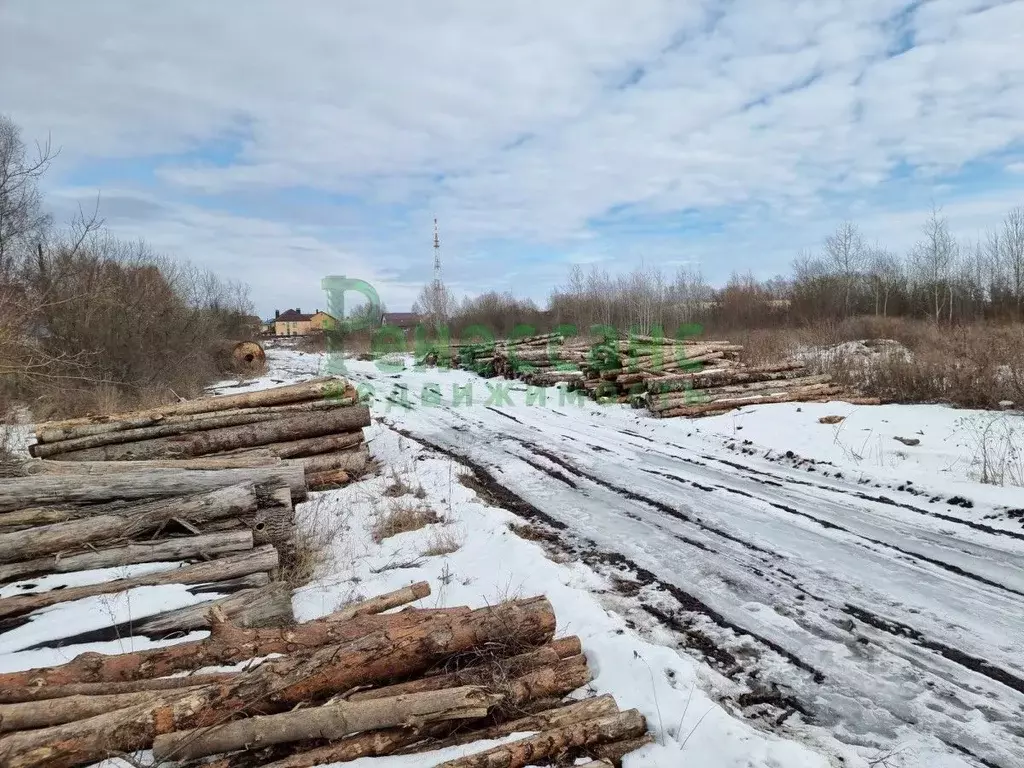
(278, 143)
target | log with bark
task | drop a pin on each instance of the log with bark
(229, 642)
(315, 389)
(556, 741)
(399, 740)
(193, 444)
(280, 684)
(162, 550)
(155, 483)
(261, 559)
(272, 522)
(311, 446)
(30, 694)
(182, 425)
(332, 478)
(257, 457)
(352, 461)
(40, 541)
(332, 721)
(490, 671)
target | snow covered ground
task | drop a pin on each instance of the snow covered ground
(768, 589)
(833, 585)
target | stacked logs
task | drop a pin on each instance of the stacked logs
(318, 423)
(688, 378)
(356, 683)
(220, 527)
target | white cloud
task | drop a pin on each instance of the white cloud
(504, 119)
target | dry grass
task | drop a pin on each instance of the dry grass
(977, 365)
(319, 525)
(402, 518)
(443, 541)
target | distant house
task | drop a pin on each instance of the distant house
(292, 322)
(403, 320)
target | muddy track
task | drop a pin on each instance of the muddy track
(500, 495)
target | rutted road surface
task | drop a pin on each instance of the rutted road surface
(880, 616)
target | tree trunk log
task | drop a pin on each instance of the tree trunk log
(730, 403)
(230, 586)
(21, 695)
(45, 540)
(279, 684)
(164, 550)
(255, 458)
(698, 396)
(325, 387)
(350, 461)
(399, 740)
(614, 751)
(488, 673)
(227, 644)
(42, 490)
(312, 446)
(384, 602)
(273, 522)
(41, 714)
(230, 438)
(232, 567)
(182, 425)
(332, 478)
(332, 721)
(549, 744)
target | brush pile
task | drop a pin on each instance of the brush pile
(356, 683)
(670, 378)
(318, 423)
(74, 535)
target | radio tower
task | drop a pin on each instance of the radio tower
(437, 261)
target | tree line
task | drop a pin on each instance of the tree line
(940, 279)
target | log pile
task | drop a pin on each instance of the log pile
(317, 423)
(356, 683)
(222, 528)
(687, 378)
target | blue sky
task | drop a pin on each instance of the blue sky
(277, 143)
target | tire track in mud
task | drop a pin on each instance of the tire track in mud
(489, 488)
(828, 525)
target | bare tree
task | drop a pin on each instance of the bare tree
(435, 303)
(934, 258)
(886, 274)
(844, 250)
(1011, 244)
(22, 218)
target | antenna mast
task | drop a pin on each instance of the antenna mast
(437, 260)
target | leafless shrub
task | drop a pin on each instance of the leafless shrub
(401, 517)
(998, 442)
